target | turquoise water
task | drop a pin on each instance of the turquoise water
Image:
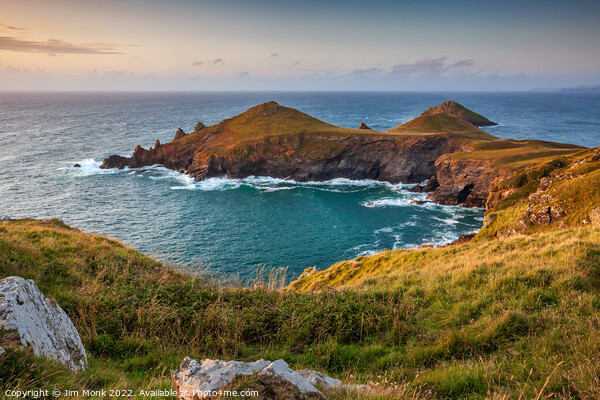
(235, 226)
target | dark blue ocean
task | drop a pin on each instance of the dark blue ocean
(235, 226)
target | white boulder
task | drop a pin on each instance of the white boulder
(279, 373)
(198, 379)
(29, 319)
(320, 379)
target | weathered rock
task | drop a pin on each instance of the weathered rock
(465, 181)
(115, 161)
(547, 215)
(179, 134)
(278, 373)
(321, 380)
(198, 379)
(595, 217)
(453, 108)
(29, 319)
(364, 126)
(430, 186)
(463, 239)
(496, 196)
(199, 126)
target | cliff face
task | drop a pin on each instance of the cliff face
(466, 181)
(276, 141)
(307, 157)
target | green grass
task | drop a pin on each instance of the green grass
(574, 187)
(485, 315)
(483, 320)
(442, 123)
(516, 154)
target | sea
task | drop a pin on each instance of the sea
(239, 227)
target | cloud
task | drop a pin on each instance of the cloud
(55, 46)
(429, 66)
(462, 64)
(11, 28)
(215, 61)
(365, 72)
(426, 65)
(275, 55)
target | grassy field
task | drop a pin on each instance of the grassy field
(501, 319)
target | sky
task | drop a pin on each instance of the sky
(195, 45)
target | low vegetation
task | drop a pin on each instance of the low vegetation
(569, 183)
(442, 123)
(500, 319)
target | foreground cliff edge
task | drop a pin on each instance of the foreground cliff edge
(496, 318)
(272, 140)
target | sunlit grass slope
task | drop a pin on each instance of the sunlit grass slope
(482, 320)
(571, 183)
(490, 315)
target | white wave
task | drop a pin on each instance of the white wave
(448, 221)
(269, 184)
(393, 202)
(90, 166)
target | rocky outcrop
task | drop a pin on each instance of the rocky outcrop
(28, 319)
(465, 181)
(543, 208)
(364, 126)
(278, 373)
(429, 186)
(179, 134)
(199, 379)
(196, 380)
(458, 110)
(199, 126)
(466, 238)
(116, 161)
